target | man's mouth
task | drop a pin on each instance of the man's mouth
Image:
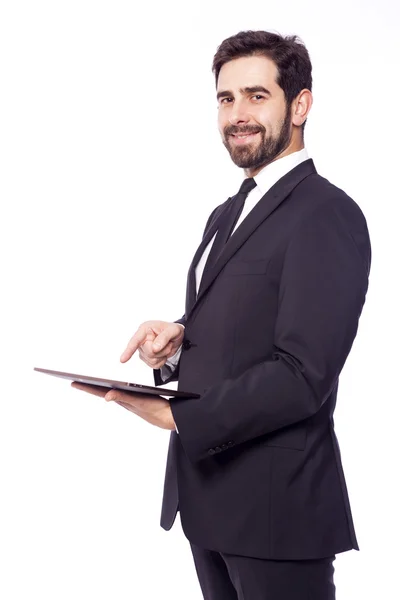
(241, 138)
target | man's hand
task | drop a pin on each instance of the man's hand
(157, 341)
(153, 409)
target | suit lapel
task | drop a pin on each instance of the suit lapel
(209, 234)
(262, 210)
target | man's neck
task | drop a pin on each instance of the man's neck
(293, 147)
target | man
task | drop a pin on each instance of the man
(274, 295)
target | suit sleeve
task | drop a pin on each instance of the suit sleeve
(322, 291)
(168, 373)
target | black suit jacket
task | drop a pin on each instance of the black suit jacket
(256, 466)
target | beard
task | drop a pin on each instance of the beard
(250, 156)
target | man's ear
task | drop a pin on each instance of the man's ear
(301, 107)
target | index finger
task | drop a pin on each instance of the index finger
(136, 340)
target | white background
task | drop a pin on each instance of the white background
(110, 165)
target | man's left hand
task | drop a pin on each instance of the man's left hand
(153, 409)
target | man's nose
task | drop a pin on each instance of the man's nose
(239, 114)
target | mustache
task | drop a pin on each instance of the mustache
(235, 130)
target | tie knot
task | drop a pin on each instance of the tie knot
(247, 185)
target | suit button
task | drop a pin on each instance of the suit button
(218, 449)
(224, 446)
(211, 451)
(187, 344)
(230, 443)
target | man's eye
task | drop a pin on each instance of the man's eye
(258, 97)
(226, 100)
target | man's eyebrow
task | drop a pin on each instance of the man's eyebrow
(254, 89)
(224, 93)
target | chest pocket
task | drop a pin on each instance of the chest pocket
(246, 267)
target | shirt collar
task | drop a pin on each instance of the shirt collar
(270, 174)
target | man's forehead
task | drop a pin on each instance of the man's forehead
(247, 72)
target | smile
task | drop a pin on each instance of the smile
(244, 137)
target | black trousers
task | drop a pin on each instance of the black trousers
(229, 577)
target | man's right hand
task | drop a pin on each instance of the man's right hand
(156, 341)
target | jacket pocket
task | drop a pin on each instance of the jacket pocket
(294, 437)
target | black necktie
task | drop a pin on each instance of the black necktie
(228, 221)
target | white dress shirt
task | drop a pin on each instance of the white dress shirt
(265, 179)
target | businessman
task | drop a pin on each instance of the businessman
(274, 295)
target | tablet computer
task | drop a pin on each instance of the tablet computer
(118, 385)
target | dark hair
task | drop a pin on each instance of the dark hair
(288, 53)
